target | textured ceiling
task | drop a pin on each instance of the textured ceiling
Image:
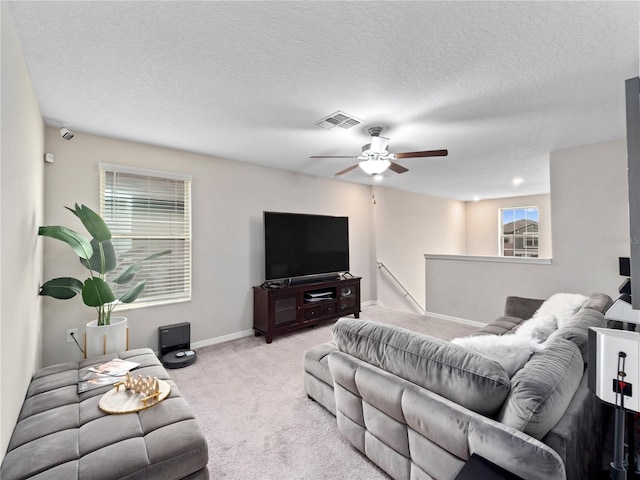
(499, 84)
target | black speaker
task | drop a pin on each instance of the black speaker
(175, 345)
(624, 264)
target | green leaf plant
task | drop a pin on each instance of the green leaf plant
(99, 257)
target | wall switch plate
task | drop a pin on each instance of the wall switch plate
(73, 331)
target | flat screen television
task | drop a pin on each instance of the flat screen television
(299, 245)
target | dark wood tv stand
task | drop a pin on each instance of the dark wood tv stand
(285, 309)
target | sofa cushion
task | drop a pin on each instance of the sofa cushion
(576, 329)
(315, 361)
(543, 388)
(501, 326)
(465, 377)
(521, 307)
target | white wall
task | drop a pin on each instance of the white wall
(228, 201)
(21, 182)
(590, 211)
(407, 226)
(482, 223)
(590, 230)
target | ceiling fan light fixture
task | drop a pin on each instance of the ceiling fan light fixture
(379, 144)
(374, 167)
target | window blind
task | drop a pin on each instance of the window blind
(149, 211)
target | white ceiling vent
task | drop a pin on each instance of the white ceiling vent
(339, 119)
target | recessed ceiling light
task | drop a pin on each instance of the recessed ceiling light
(378, 177)
(517, 181)
(476, 199)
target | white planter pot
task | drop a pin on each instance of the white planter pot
(101, 340)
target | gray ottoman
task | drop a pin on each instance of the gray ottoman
(62, 434)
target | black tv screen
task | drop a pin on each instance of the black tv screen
(298, 245)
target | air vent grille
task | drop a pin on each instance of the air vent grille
(339, 119)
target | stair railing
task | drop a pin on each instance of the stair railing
(406, 293)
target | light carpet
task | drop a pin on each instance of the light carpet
(249, 400)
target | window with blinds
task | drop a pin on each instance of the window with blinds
(149, 211)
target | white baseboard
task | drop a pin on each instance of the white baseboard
(250, 332)
(245, 333)
(434, 315)
(222, 339)
(369, 303)
(456, 319)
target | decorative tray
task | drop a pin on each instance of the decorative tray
(134, 394)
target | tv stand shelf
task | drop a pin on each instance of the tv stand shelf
(289, 308)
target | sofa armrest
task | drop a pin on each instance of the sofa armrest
(578, 436)
(514, 451)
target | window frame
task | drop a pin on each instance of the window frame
(186, 233)
(512, 239)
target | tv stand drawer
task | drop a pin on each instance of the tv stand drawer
(319, 310)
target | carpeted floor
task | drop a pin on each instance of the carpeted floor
(250, 403)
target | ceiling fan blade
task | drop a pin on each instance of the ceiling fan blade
(397, 168)
(426, 153)
(346, 170)
(331, 156)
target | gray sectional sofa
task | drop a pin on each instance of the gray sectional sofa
(419, 407)
(63, 435)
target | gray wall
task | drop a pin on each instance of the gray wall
(590, 230)
(228, 201)
(482, 223)
(407, 225)
(21, 187)
(387, 225)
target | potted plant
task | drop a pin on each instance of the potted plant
(99, 258)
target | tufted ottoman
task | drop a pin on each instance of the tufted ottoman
(62, 434)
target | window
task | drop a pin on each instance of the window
(150, 211)
(519, 232)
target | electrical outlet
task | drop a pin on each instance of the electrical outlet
(70, 332)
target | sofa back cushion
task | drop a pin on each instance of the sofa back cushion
(500, 326)
(521, 307)
(576, 329)
(460, 375)
(543, 388)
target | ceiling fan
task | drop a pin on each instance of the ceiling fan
(375, 157)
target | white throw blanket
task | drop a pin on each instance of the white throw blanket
(512, 351)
